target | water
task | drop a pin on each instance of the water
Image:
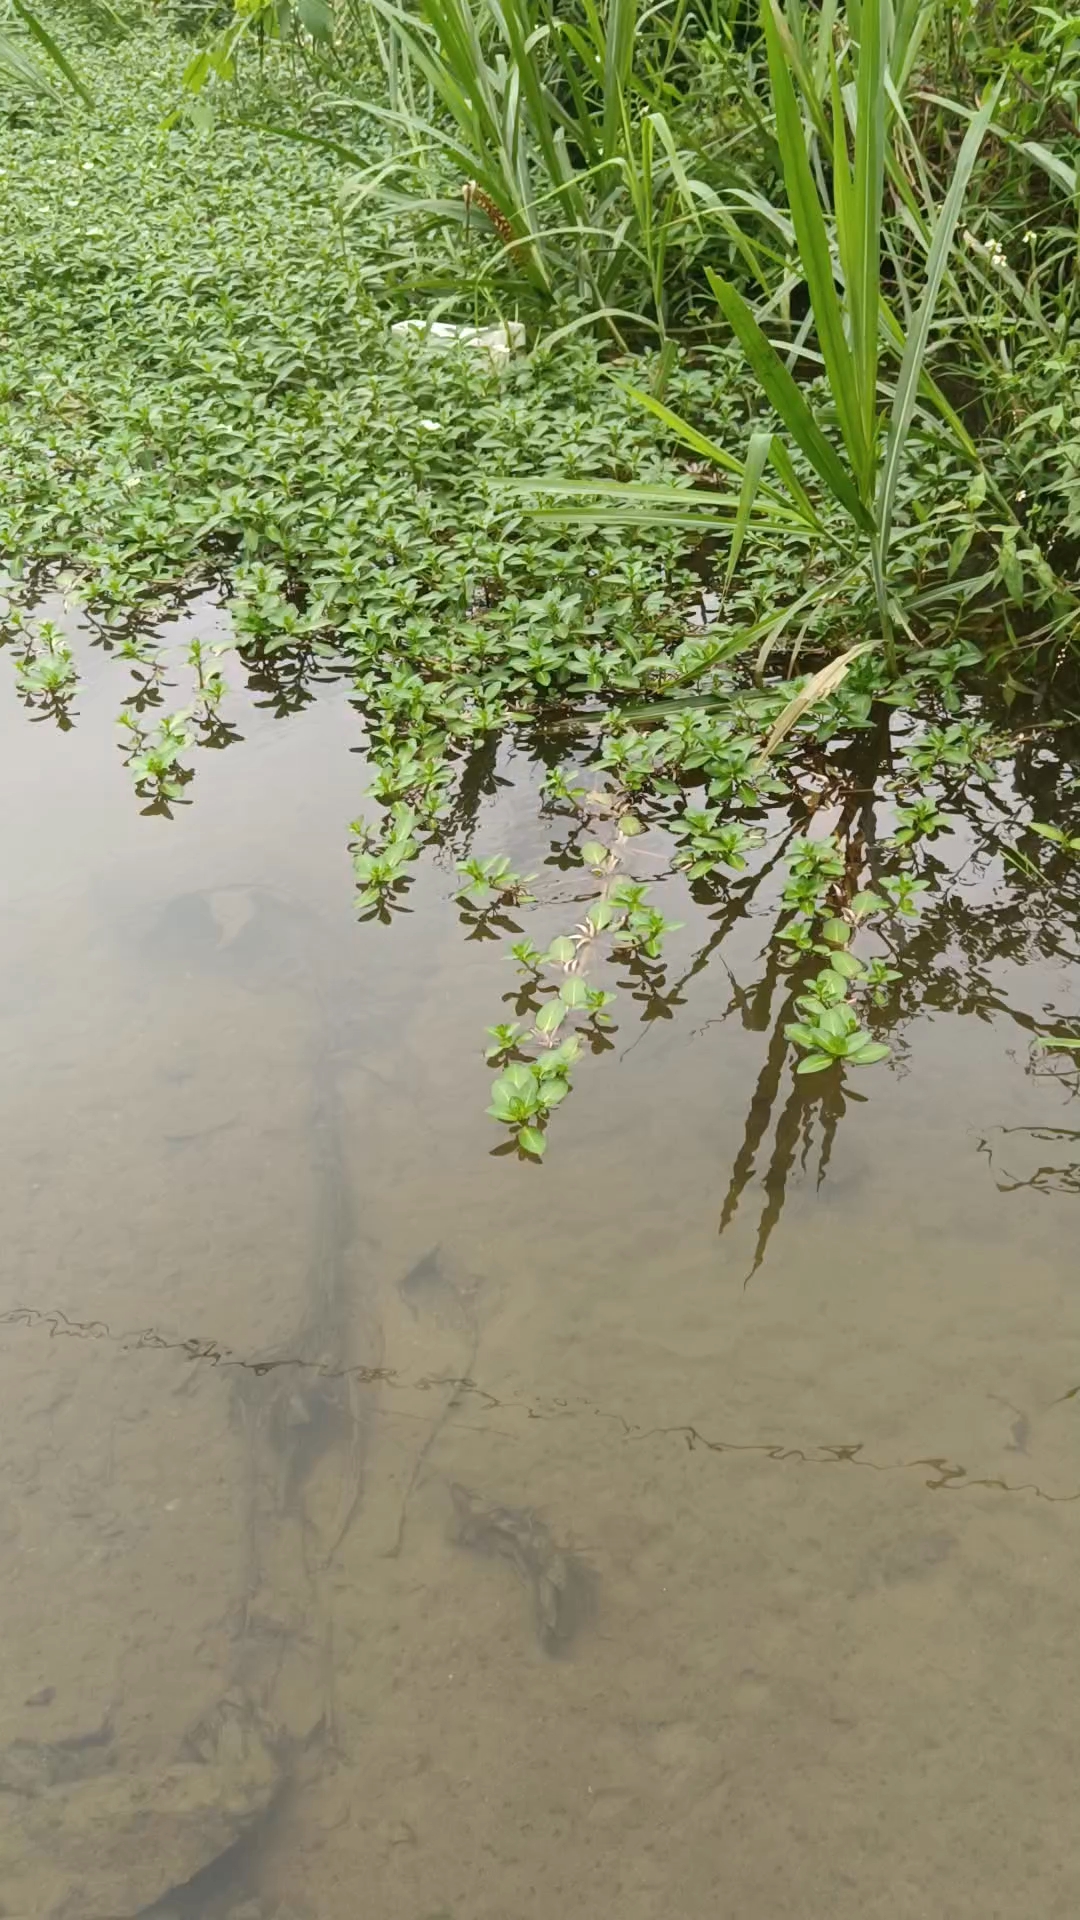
(392, 1528)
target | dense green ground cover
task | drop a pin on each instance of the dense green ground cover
(197, 375)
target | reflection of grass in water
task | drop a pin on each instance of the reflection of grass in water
(1045, 1179)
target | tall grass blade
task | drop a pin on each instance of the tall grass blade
(863, 273)
(911, 366)
(620, 26)
(813, 242)
(756, 455)
(684, 432)
(787, 398)
(39, 32)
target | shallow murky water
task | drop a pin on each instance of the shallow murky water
(391, 1529)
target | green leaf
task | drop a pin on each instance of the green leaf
(557, 1059)
(629, 825)
(862, 268)
(574, 992)
(1066, 176)
(870, 1051)
(803, 1036)
(847, 966)
(56, 54)
(690, 437)
(516, 1080)
(531, 1140)
(865, 903)
(781, 389)
(317, 18)
(553, 1090)
(836, 932)
(561, 951)
(814, 1063)
(918, 340)
(594, 853)
(831, 983)
(550, 1018)
(836, 1022)
(959, 547)
(756, 456)
(815, 258)
(1050, 1040)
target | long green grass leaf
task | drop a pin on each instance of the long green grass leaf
(863, 275)
(911, 366)
(757, 454)
(39, 32)
(813, 241)
(790, 403)
(782, 461)
(687, 434)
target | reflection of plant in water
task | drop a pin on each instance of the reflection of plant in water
(1045, 1179)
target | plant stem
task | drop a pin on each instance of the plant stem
(877, 563)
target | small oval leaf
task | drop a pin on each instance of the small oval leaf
(550, 1018)
(561, 951)
(847, 966)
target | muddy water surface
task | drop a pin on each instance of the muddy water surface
(390, 1529)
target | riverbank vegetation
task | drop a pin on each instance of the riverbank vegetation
(786, 472)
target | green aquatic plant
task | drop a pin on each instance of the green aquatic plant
(1068, 842)
(955, 752)
(493, 882)
(922, 820)
(210, 683)
(711, 843)
(153, 756)
(45, 672)
(381, 862)
(831, 1033)
(825, 915)
(527, 1091)
(621, 920)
